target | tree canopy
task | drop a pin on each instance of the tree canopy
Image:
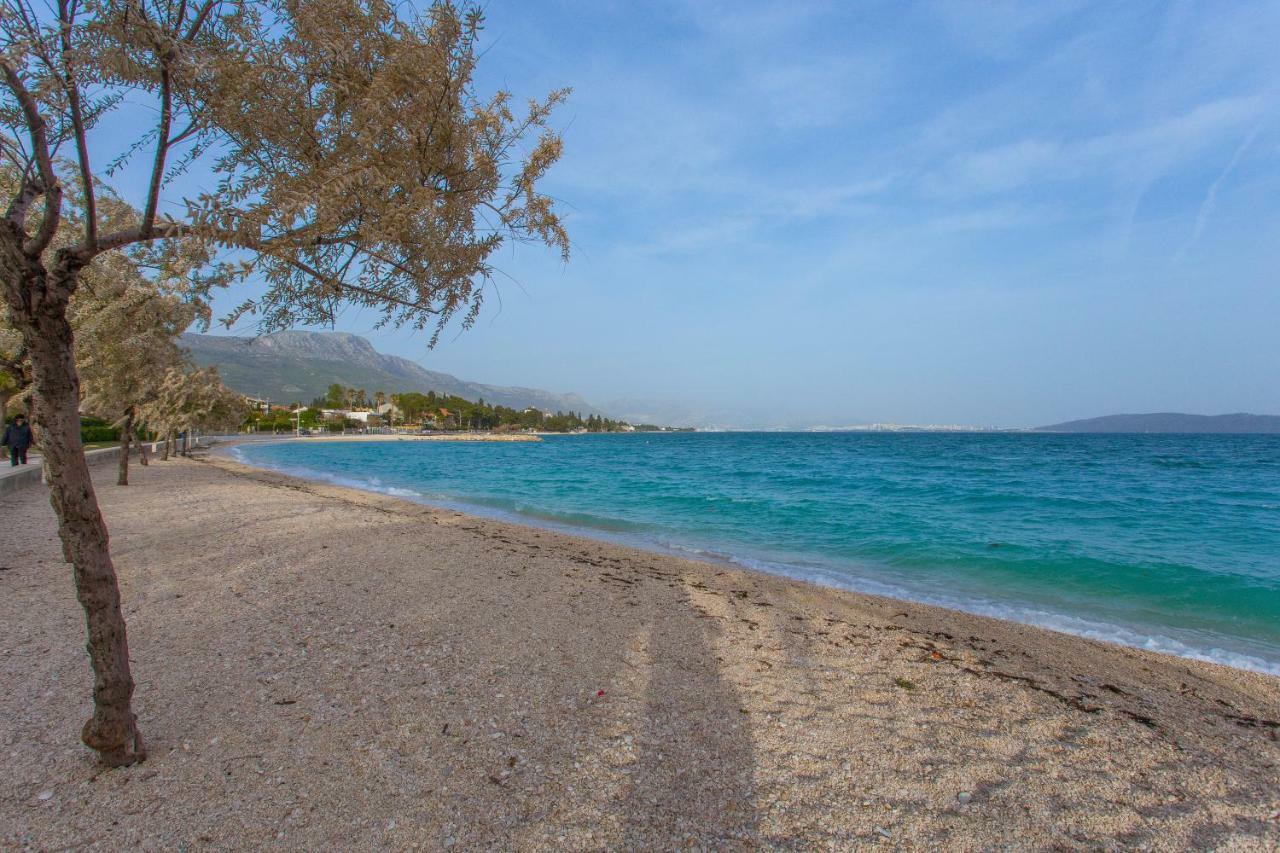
(355, 160)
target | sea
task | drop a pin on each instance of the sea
(1162, 542)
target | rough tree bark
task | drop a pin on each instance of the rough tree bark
(168, 442)
(126, 435)
(41, 319)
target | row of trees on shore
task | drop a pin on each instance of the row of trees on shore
(430, 411)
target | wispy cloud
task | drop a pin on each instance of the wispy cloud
(1211, 195)
(1146, 151)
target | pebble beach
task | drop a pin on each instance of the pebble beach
(322, 667)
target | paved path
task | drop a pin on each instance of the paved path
(18, 477)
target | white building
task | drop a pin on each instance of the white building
(345, 414)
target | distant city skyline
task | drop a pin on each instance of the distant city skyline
(1006, 214)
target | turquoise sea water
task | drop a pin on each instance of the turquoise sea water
(1163, 542)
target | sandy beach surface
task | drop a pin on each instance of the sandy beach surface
(323, 668)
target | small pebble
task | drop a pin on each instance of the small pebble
(964, 797)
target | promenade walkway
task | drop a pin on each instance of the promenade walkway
(18, 477)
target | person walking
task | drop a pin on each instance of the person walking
(17, 436)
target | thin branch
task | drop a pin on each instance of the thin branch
(187, 131)
(40, 149)
(355, 288)
(201, 17)
(66, 18)
(162, 148)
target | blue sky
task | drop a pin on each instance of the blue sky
(797, 213)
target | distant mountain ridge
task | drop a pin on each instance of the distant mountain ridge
(298, 366)
(1170, 422)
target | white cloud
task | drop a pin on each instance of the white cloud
(1133, 156)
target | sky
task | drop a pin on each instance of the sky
(795, 214)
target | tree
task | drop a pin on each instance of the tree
(412, 405)
(126, 328)
(336, 397)
(188, 398)
(356, 164)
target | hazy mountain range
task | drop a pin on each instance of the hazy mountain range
(299, 366)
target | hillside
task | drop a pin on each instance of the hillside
(1172, 422)
(298, 366)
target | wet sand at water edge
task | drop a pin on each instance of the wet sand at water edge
(320, 667)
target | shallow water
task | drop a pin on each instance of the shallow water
(1163, 542)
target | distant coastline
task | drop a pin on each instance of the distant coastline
(1239, 423)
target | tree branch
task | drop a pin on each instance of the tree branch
(201, 17)
(17, 213)
(66, 18)
(355, 288)
(162, 149)
(40, 151)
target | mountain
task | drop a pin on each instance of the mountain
(1172, 422)
(299, 366)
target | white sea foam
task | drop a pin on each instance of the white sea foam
(1025, 614)
(365, 484)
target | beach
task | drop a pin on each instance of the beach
(323, 667)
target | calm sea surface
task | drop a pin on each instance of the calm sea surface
(1162, 542)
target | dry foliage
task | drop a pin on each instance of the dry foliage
(355, 161)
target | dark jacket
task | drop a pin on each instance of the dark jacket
(17, 435)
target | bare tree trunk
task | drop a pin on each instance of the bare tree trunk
(144, 457)
(126, 436)
(168, 440)
(112, 730)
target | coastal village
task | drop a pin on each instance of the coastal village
(352, 409)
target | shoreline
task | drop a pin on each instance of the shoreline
(443, 436)
(578, 537)
(1096, 631)
(322, 666)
